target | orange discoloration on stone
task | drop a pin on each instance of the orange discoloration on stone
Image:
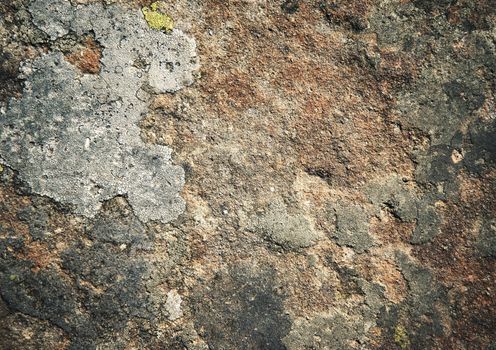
(386, 273)
(87, 59)
(40, 255)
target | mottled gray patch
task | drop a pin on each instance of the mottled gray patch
(393, 193)
(288, 231)
(374, 294)
(352, 226)
(481, 150)
(422, 285)
(486, 241)
(117, 224)
(107, 287)
(428, 224)
(333, 331)
(42, 334)
(242, 309)
(101, 290)
(449, 87)
(445, 95)
(37, 220)
(53, 17)
(430, 5)
(421, 311)
(43, 295)
(436, 166)
(408, 205)
(75, 138)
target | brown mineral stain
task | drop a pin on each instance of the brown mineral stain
(387, 274)
(87, 59)
(40, 255)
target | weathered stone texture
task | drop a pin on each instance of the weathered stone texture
(325, 179)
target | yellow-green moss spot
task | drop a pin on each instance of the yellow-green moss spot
(401, 337)
(1, 168)
(12, 277)
(156, 19)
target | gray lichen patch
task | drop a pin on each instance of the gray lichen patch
(75, 138)
(111, 287)
(421, 313)
(394, 194)
(450, 87)
(352, 226)
(341, 326)
(428, 223)
(117, 224)
(286, 230)
(241, 310)
(486, 240)
(53, 17)
(439, 109)
(407, 204)
(331, 331)
(37, 220)
(481, 151)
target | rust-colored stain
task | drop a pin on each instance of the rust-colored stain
(87, 59)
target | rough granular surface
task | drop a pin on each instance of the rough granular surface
(74, 137)
(251, 175)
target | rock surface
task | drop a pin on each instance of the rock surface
(266, 175)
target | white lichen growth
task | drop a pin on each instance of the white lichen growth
(173, 305)
(74, 137)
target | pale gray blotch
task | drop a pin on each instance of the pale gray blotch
(74, 137)
(290, 231)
